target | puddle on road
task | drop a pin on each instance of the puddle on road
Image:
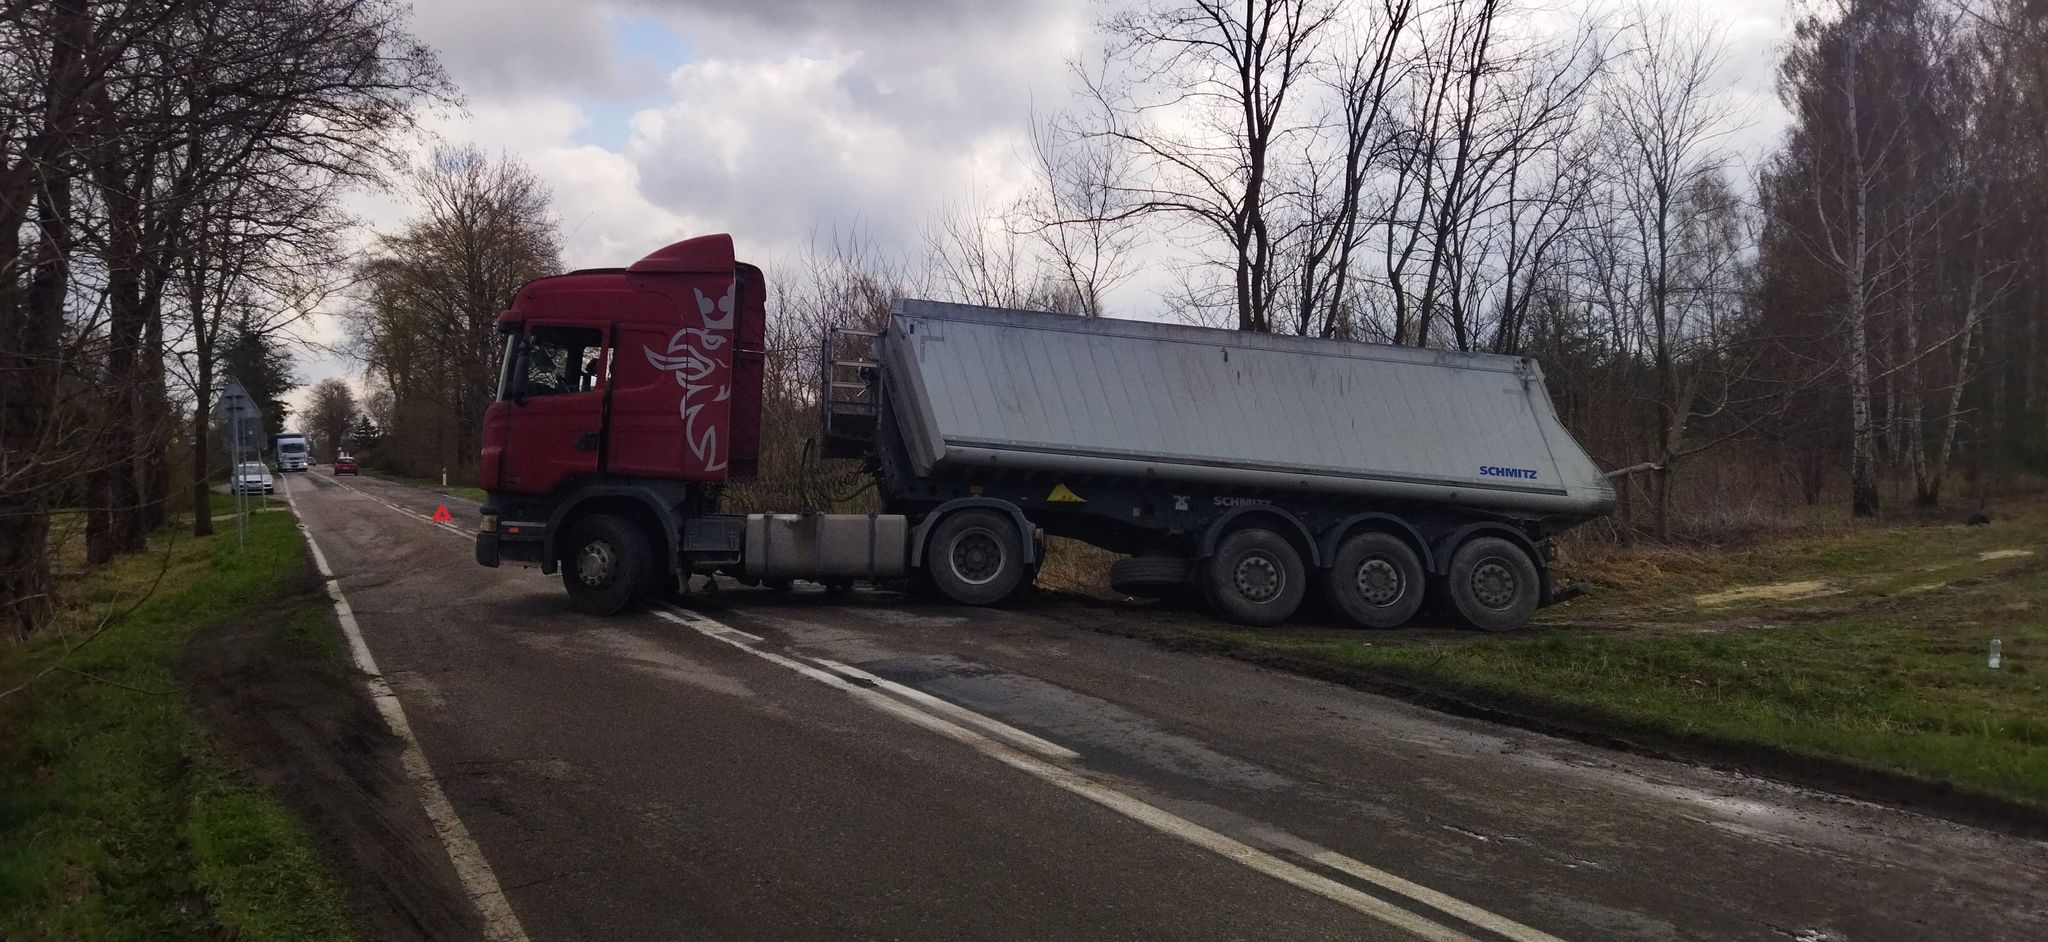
(1775, 592)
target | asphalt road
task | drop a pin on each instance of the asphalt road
(872, 766)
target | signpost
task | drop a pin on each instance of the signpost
(241, 425)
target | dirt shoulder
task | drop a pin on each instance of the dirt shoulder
(1856, 663)
(279, 689)
(186, 754)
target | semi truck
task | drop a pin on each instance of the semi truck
(1249, 468)
(290, 448)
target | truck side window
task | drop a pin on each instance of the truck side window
(560, 360)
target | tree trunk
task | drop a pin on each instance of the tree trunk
(202, 395)
(1863, 495)
(157, 427)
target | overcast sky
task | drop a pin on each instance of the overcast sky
(781, 121)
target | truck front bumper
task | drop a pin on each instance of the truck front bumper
(526, 543)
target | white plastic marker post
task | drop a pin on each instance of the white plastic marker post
(500, 923)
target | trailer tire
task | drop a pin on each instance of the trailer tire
(1255, 578)
(976, 557)
(606, 564)
(1148, 576)
(1492, 584)
(1376, 580)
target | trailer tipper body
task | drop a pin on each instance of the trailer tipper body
(1251, 468)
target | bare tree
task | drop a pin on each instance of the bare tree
(330, 416)
(1207, 110)
(426, 324)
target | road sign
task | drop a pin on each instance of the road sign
(241, 420)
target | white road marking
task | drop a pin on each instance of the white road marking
(1017, 737)
(500, 923)
(843, 676)
(1422, 894)
(1158, 819)
(416, 515)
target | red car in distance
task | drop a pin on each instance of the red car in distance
(344, 464)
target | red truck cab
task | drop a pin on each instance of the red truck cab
(646, 377)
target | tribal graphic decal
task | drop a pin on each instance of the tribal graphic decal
(690, 358)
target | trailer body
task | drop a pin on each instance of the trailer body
(1246, 467)
(976, 387)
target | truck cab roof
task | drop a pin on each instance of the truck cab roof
(702, 255)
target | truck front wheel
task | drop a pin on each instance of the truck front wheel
(976, 557)
(1493, 584)
(1255, 578)
(606, 565)
(1376, 580)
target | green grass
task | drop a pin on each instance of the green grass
(463, 491)
(1888, 673)
(120, 816)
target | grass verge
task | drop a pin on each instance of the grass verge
(463, 491)
(1820, 660)
(121, 816)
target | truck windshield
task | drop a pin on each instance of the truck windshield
(291, 448)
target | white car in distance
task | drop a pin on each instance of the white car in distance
(251, 477)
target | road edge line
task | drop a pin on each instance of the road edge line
(500, 923)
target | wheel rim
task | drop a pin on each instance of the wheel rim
(977, 557)
(1380, 582)
(1258, 577)
(1494, 584)
(597, 564)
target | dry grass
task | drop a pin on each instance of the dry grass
(1074, 566)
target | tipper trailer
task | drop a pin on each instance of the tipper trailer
(1247, 467)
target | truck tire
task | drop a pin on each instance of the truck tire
(606, 564)
(1255, 578)
(1493, 584)
(1148, 576)
(1376, 580)
(976, 557)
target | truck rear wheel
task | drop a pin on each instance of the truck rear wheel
(1493, 584)
(606, 564)
(1376, 580)
(1255, 578)
(976, 557)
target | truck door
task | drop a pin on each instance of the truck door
(554, 402)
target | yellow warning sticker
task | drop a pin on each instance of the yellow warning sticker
(1061, 495)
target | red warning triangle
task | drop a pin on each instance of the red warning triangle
(441, 515)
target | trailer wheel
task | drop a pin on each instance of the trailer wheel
(976, 557)
(1376, 580)
(606, 564)
(1492, 584)
(1255, 578)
